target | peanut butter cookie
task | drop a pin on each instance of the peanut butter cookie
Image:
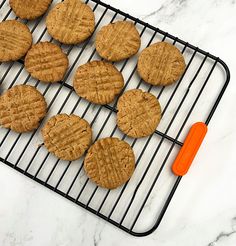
(98, 82)
(29, 9)
(67, 136)
(15, 40)
(21, 108)
(110, 162)
(71, 22)
(46, 62)
(161, 64)
(139, 113)
(118, 41)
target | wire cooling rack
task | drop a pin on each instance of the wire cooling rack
(193, 98)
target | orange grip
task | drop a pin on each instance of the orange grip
(190, 148)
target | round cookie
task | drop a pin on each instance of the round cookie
(98, 82)
(139, 113)
(67, 136)
(161, 64)
(70, 22)
(21, 108)
(29, 9)
(118, 41)
(46, 61)
(15, 40)
(110, 162)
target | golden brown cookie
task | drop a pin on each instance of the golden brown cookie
(118, 41)
(29, 9)
(161, 64)
(98, 82)
(21, 108)
(15, 40)
(71, 22)
(46, 62)
(139, 113)
(67, 136)
(110, 162)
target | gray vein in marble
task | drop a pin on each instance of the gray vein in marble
(220, 236)
(96, 240)
(82, 235)
(218, 2)
(97, 235)
(152, 13)
(179, 4)
(224, 234)
(12, 240)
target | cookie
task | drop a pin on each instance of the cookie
(46, 62)
(21, 108)
(161, 64)
(67, 136)
(29, 9)
(139, 113)
(110, 162)
(15, 40)
(70, 22)
(98, 82)
(118, 41)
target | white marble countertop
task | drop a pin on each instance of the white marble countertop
(203, 210)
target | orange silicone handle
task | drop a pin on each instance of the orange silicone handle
(190, 148)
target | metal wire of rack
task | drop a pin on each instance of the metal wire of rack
(191, 99)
